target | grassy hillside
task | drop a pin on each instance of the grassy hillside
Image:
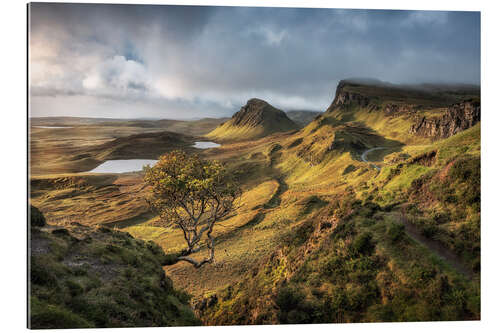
(392, 246)
(324, 232)
(85, 277)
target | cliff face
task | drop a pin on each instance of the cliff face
(457, 118)
(409, 104)
(344, 97)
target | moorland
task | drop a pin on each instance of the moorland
(366, 212)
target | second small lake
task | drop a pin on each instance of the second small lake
(120, 166)
(205, 144)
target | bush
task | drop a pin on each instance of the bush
(396, 232)
(350, 168)
(36, 217)
(289, 298)
(74, 288)
(42, 273)
(293, 307)
(430, 231)
(363, 244)
(299, 235)
(52, 316)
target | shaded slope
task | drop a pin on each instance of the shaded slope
(255, 120)
(302, 117)
(86, 277)
(144, 145)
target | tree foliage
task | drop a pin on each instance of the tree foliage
(192, 194)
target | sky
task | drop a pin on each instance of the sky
(185, 62)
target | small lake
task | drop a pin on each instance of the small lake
(120, 166)
(52, 126)
(205, 144)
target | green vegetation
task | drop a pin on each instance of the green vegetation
(317, 236)
(85, 277)
(36, 217)
(358, 272)
(192, 194)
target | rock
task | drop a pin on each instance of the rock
(257, 112)
(457, 118)
(396, 109)
(344, 98)
(256, 119)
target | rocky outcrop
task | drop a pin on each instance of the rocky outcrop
(398, 109)
(345, 97)
(256, 119)
(257, 112)
(457, 118)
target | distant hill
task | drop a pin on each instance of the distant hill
(302, 117)
(366, 114)
(255, 120)
(190, 127)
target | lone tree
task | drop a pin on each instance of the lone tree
(193, 194)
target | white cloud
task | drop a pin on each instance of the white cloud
(269, 35)
(168, 59)
(117, 76)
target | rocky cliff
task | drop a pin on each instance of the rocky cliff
(346, 97)
(457, 118)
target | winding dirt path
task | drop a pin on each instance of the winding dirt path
(434, 246)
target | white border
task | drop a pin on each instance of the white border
(13, 139)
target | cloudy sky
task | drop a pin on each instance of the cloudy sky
(128, 61)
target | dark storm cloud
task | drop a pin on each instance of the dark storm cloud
(183, 61)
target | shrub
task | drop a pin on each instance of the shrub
(299, 235)
(430, 231)
(289, 298)
(350, 168)
(395, 232)
(52, 316)
(363, 244)
(74, 288)
(36, 217)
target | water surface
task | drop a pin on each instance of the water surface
(120, 166)
(205, 144)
